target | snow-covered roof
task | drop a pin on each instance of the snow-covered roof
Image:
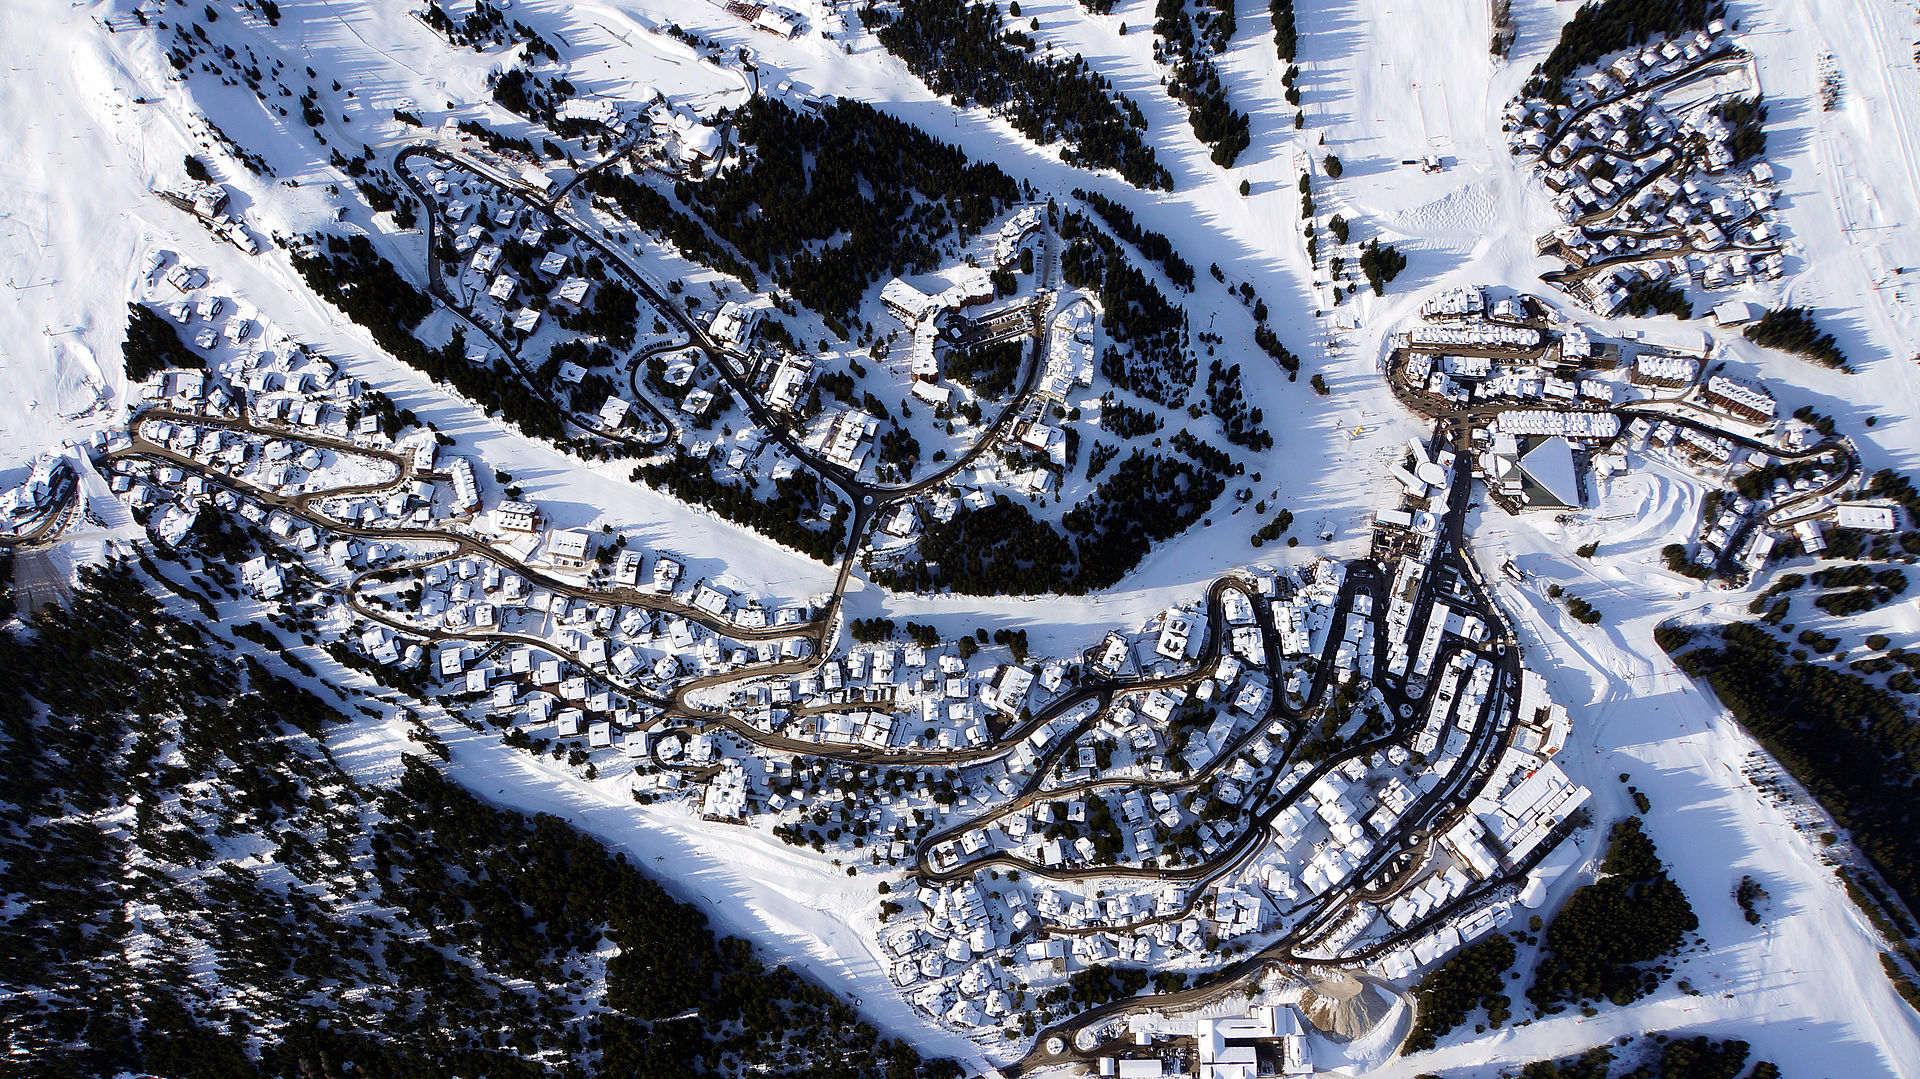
(1551, 466)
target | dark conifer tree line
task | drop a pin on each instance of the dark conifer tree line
(998, 549)
(1152, 244)
(1147, 499)
(965, 51)
(802, 512)
(1152, 359)
(348, 273)
(1658, 1056)
(1286, 38)
(1792, 329)
(827, 204)
(989, 370)
(1611, 25)
(1191, 33)
(1246, 425)
(654, 212)
(1607, 941)
(1381, 264)
(1002, 549)
(1473, 978)
(403, 932)
(1646, 298)
(1127, 421)
(1747, 117)
(153, 345)
(1852, 744)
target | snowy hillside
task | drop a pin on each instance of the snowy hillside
(1096, 542)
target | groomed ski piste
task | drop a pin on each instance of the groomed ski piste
(95, 124)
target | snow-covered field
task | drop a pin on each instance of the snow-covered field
(93, 125)
(1801, 986)
(798, 908)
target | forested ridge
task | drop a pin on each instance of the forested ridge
(152, 345)
(1145, 497)
(195, 888)
(1852, 744)
(1152, 244)
(988, 370)
(1792, 329)
(1192, 33)
(653, 211)
(966, 52)
(802, 512)
(1657, 1056)
(1470, 979)
(348, 273)
(1150, 355)
(1609, 940)
(1612, 25)
(1002, 548)
(826, 204)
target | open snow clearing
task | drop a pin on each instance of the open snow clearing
(1111, 538)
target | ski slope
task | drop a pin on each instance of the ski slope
(94, 125)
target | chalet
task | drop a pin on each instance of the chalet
(699, 143)
(789, 381)
(905, 302)
(932, 393)
(1176, 640)
(710, 599)
(1013, 234)
(520, 517)
(923, 361)
(733, 325)
(187, 278)
(1867, 516)
(1812, 539)
(1740, 399)
(1664, 370)
(901, 522)
(777, 21)
(1010, 689)
(666, 575)
(615, 413)
(973, 286)
(697, 401)
(850, 430)
(466, 491)
(573, 291)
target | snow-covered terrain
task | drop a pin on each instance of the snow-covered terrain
(94, 124)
